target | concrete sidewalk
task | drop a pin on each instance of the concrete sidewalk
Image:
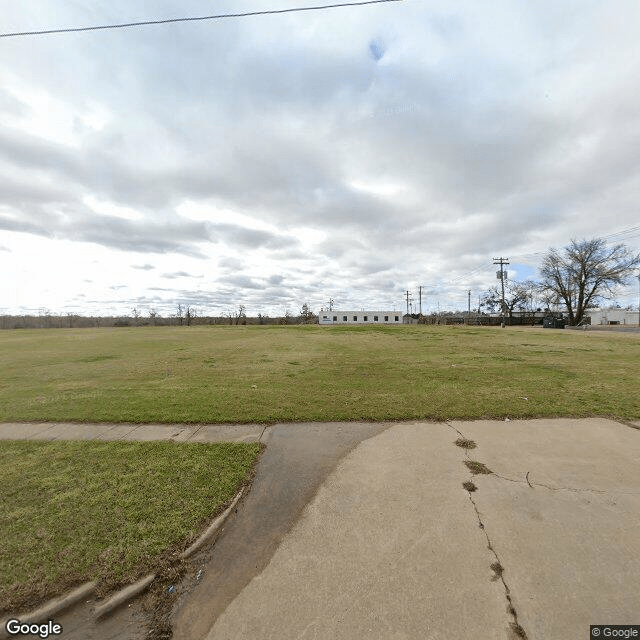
(393, 546)
(123, 431)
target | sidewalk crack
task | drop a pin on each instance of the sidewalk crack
(498, 570)
(516, 629)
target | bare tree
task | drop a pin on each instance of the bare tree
(241, 315)
(306, 315)
(285, 319)
(517, 295)
(153, 316)
(179, 313)
(585, 273)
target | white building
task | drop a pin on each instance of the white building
(612, 316)
(359, 317)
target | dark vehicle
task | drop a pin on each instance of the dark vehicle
(552, 322)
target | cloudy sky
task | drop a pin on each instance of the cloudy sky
(350, 153)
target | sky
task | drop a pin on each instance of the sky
(269, 161)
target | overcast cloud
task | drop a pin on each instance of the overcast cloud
(351, 153)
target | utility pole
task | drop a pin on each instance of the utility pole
(469, 305)
(420, 295)
(639, 298)
(500, 274)
(407, 296)
(330, 303)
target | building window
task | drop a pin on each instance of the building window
(355, 318)
(386, 318)
(344, 318)
(366, 318)
(375, 318)
(325, 317)
(397, 318)
(335, 318)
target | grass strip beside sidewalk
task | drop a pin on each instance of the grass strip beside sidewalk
(72, 511)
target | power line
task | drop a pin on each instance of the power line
(191, 19)
(629, 232)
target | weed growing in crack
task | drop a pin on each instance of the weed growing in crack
(469, 486)
(465, 444)
(496, 567)
(518, 630)
(477, 467)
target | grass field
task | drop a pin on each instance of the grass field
(80, 510)
(300, 373)
(107, 511)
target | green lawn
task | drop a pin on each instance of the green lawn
(72, 511)
(110, 511)
(296, 373)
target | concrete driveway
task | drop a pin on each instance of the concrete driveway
(365, 530)
(393, 546)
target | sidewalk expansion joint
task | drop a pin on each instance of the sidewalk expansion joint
(196, 432)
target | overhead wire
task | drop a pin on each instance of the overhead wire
(143, 23)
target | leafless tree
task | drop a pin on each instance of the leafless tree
(584, 273)
(306, 315)
(286, 318)
(189, 314)
(517, 296)
(241, 315)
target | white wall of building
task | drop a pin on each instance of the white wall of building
(360, 317)
(612, 316)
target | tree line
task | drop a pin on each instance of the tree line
(184, 315)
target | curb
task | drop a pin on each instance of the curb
(213, 528)
(137, 588)
(50, 609)
(46, 612)
(123, 595)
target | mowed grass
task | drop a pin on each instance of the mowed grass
(107, 511)
(299, 373)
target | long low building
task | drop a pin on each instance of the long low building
(360, 317)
